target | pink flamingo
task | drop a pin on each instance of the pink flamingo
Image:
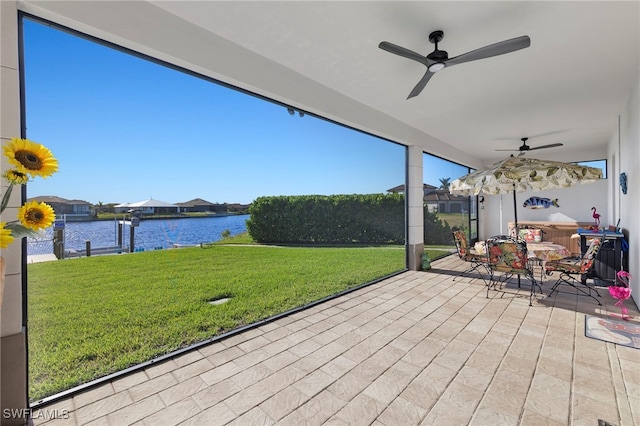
(596, 216)
(621, 293)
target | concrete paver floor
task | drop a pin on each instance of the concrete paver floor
(417, 348)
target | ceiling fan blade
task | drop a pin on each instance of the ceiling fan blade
(402, 51)
(421, 84)
(536, 136)
(552, 145)
(495, 49)
(515, 150)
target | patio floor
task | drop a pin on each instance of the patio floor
(417, 348)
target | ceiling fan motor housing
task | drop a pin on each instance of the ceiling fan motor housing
(437, 55)
(439, 59)
(436, 36)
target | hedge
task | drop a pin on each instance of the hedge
(338, 219)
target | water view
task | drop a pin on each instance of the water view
(150, 235)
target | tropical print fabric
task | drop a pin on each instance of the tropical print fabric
(521, 174)
(548, 251)
(463, 248)
(579, 266)
(507, 255)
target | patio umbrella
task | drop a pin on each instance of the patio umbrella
(518, 174)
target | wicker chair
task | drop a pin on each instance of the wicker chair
(573, 272)
(510, 257)
(477, 260)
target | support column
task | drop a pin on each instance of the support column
(415, 208)
(13, 345)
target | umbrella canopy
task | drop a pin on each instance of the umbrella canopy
(518, 174)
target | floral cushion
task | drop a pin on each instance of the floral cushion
(463, 248)
(590, 255)
(461, 243)
(563, 266)
(531, 235)
(475, 257)
(576, 266)
(507, 255)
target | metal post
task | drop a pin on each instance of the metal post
(131, 239)
(119, 234)
(58, 243)
(88, 247)
(515, 209)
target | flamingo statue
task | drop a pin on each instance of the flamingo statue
(596, 217)
(622, 293)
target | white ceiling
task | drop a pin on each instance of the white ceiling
(322, 57)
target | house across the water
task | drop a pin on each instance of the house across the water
(69, 209)
(150, 206)
(439, 200)
(198, 205)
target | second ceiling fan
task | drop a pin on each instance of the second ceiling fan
(439, 59)
(525, 148)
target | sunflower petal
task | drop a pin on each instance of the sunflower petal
(31, 157)
(5, 235)
(36, 216)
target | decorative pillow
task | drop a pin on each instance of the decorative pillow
(531, 235)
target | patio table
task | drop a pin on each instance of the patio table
(544, 251)
(547, 251)
(540, 252)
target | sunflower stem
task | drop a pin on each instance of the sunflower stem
(5, 198)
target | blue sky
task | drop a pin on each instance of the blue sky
(125, 130)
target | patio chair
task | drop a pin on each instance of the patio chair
(477, 260)
(573, 272)
(510, 257)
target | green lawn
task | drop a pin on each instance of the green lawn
(89, 317)
(455, 219)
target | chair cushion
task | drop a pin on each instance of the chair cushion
(461, 243)
(508, 255)
(474, 257)
(579, 265)
(531, 235)
(563, 266)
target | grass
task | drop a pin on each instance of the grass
(89, 317)
(461, 220)
(438, 252)
(242, 238)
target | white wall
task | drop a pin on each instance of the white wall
(624, 150)
(10, 128)
(575, 205)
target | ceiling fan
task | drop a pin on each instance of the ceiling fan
(439, 59)
(524, 147)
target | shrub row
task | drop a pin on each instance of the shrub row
(338, 219)
(436, 231)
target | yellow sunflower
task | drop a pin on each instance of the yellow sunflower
(36, 216)
(16, 177)
(31, 157)
(5, 236)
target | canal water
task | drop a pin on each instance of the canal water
(152, 234)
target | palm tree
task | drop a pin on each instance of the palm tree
(444, 183)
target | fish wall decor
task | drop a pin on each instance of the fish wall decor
(540, 203)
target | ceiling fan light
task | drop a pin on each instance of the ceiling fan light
(436, 66)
